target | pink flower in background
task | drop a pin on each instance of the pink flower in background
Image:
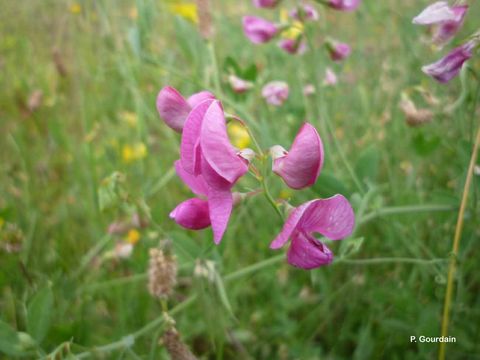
(265, 3)
(275, 92)
(434, 14)
(333, 218)
(174, 109)
(330, 77)
(210, 166)
(300, 166)
(445, 19)
(449, 66)
(239, 85)
(308, 13)
(309, 90)
(338, 51)
(293, 46)
(258, 30)
(344, 5)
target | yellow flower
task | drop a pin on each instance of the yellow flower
(186, 10)
(238, 135)
(133, 236)
(133, 153)
(75, 8)
(284, 18)
(133, 13)
(130, 118)
(294, 31)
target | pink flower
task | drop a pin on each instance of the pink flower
(449, 66)
(275, 92)
(330, 77)
(434, 14)
(300, 166)
(258, 30)
(332, 218)
(239, 85)
(344, 5)
(447, 20)
(265, 3)
(308, 13)
(210, 166)
(293, 46)
(337, 50)
(174, 109)
(309, 90)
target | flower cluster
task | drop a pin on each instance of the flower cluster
(211, 166)
(291, 29)
(446, 21)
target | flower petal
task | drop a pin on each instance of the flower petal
(192, 214)
(195, 183)
(290, 226)
(302, 164)
(189, 150)
(220, 204)
(434, 14)
(306, 252)
(172, 107)
(199, 97)
(333, 217)
(258, 30)
(216, 147)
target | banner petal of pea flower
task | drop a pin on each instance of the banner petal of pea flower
(300, 166)
(435, 13)
(259, 30)
(265, 3)
(333, 218)
(450, 65)
(344, 5)
(174, 109)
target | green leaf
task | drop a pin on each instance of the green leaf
(368, 163)
(250, 73)
(39, 314)
(328, 185)
(9, 340)
(350, 246)
(425, 145)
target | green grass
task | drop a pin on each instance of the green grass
(404, 183)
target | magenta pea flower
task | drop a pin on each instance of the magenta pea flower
(338, 51)
(333, 218)
(293, 46)
(450, 65)
(308, 12)
(239, 85)
(330, 77)
(344, 5)
(259, 30)
(275, 92)
(192, 214)
(174, 109)
(265, 3)
(445, 19)
(300, 166)
(210, 166)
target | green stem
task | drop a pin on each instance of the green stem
(216, 74)
(270, 198)
(404, 210)
(399, 260)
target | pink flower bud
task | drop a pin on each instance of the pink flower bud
(265, 3)
(300, 166)
(239, 85)
(337, 50)
(344, 5)
(307, 12)
(192, 214)
(275, 92)
(258, 30)
(330, 77)
(293, 46)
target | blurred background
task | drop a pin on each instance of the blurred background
(87, 183)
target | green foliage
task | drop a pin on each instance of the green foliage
(39, 314)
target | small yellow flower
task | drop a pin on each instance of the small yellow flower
(140, 151)
(284, 18)
(75, 8)
(130, 118)
(127, 154)
(133, 236)
(238, 135)
(285, 194)
(294, 31)
(133, 13)
(133, 153)
(186, 10)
